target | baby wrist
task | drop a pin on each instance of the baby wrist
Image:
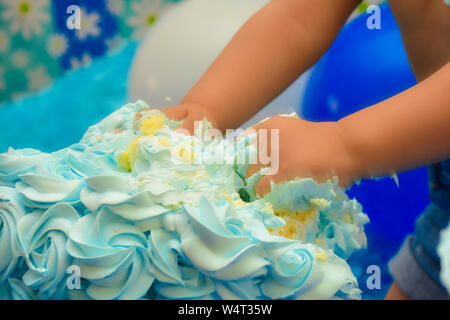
(353, 163)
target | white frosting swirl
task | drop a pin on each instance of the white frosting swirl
(131, 206)
(112, 254)
(42, 238)
(15, 162)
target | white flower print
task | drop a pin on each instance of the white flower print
(144, 16)
(20, 58)
(57, 45)
(17, 95)
(26, 16)
(38, 78)
(4, 41)
(89, 25)
(76, 63)
(115, 6)
(114, 43)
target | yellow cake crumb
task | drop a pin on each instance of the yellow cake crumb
(164, 142)
(124, 161)
(152, 124)
(321, 256)
(289, 230)
(127, 159)
(185, 154)
(149, 126)
(227, 196)
(239, 203)
(235, 200)
(320, 203)
(293, 229)
(348, 217)
(268, 208)
(301, 216)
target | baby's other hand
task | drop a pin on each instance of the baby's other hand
(305, 149)
(188, 112)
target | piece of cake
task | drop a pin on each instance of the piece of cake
(144, 212)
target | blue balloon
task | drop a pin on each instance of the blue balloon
(362, 68)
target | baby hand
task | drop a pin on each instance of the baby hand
(306, 149)
(188, 112)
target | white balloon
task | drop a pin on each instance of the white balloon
(183, 44)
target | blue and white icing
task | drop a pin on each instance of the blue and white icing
(42, 239)
(169, 226)
(443, 250)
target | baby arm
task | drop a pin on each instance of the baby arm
(270, 51)
(407, 131)
(404, 132)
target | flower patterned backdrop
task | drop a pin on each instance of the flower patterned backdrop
(36, 45)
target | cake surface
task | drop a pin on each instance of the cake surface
(144, 212)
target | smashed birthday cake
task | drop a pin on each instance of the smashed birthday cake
(130, 212)
(443, 250)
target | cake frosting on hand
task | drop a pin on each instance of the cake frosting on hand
(145, 212)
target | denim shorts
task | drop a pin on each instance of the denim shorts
(416, 267)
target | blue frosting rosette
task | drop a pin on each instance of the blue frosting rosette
(42, 238)
(143, 211)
